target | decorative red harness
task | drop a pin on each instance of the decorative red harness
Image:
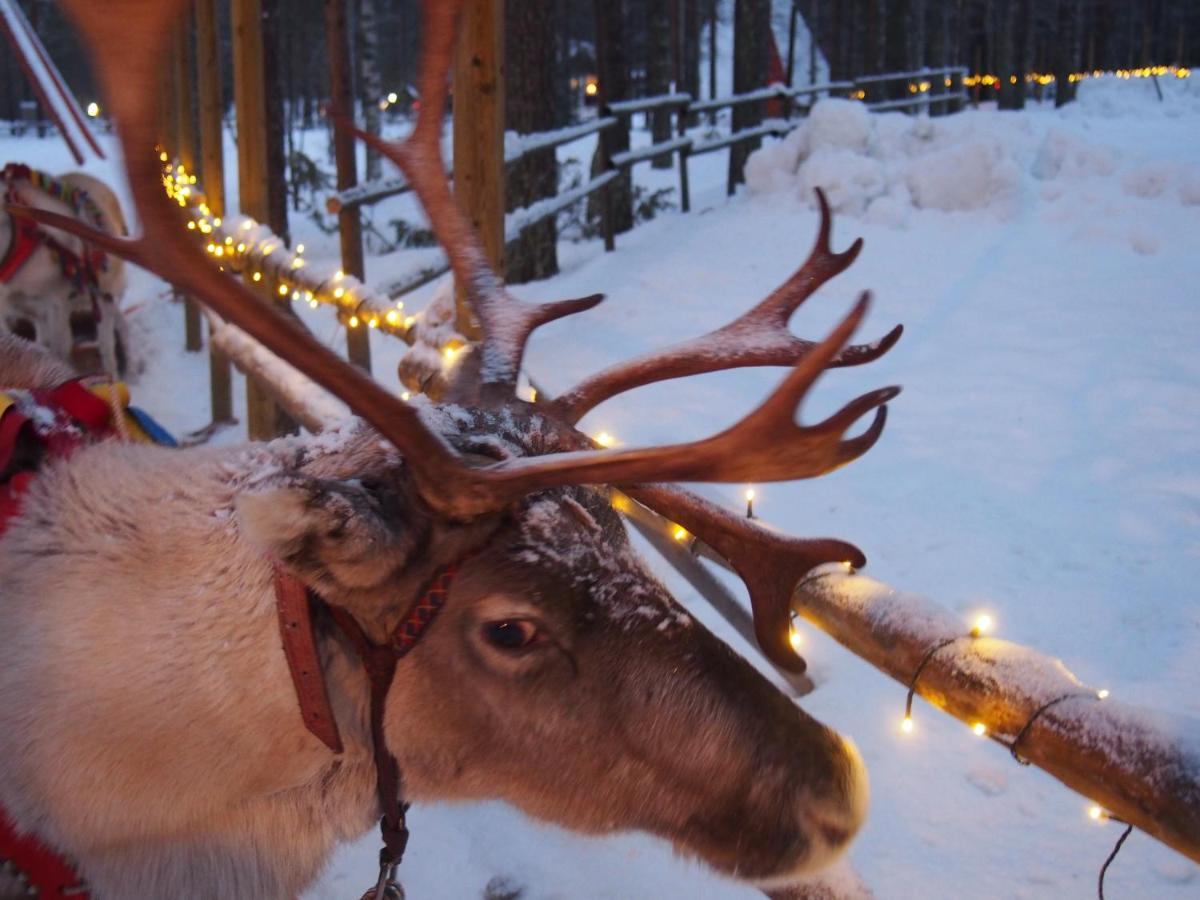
(81, 269)
(59, 421)
(43, 872)
(295, 603)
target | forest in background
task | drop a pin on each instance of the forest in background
(564, 56)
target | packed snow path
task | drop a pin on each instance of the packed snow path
(1043, 462)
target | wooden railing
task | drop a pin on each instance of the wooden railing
(936, 90)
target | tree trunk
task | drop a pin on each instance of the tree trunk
(1066, 51)
(530, 63)
(918, 49)
(273, 25)
(690, 38)
(1011, 81)
(370, 82)
(612, 69)
(751, 36)
(712, 47)
(658, 72)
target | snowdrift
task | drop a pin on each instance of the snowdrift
(884, 167)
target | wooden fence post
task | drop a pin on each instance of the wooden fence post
(479, 134)
(249, 88)
(212, 176)
(358, 340)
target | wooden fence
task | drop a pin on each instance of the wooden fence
(938, 91)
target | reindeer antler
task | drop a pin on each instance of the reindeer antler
(759, 337)
(505, 321)
(766, 445)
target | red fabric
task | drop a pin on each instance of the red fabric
(23, 245)
(41, 867)
(70, 416)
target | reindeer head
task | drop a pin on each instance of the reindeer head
(560, 675)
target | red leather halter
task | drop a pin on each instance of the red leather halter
(295, 603)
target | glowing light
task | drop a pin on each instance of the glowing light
(392, 97)
(795, 638)
(450, 352)
(979, 729)
(406, 396)
(257, 276)
(299, 248)
(591, 89)
(283, 290)
(983, 624)
(907, 725)
(1102, 693)
(191, 226)
(680, 533)
(93, 109)
(353, 323)
(392, 317)
(1097, 813)
(750, 493)
(604, 439)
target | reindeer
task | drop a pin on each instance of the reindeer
(48, 276)
(477, 624)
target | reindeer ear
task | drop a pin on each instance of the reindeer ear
(351, 532)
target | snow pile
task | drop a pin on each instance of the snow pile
(882, 167)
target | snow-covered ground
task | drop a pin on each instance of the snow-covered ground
(1043, 462)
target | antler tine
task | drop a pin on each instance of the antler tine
(770, 564)
(767, 445)
(130, 81)
(759, 337)
(505, 321)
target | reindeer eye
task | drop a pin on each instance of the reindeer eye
(510, 634)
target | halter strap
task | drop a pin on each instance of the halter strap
(294, 603)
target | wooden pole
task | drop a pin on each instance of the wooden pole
(212, 176)
(1142, 767)
(249, 90)
(337, 37)
(479, 134)
(184, 83)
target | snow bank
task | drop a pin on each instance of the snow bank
(882, 167)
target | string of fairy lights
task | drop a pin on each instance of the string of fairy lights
(244, 246)
(1042, 79)
(1045, 78)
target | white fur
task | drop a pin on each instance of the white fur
(220, 793)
